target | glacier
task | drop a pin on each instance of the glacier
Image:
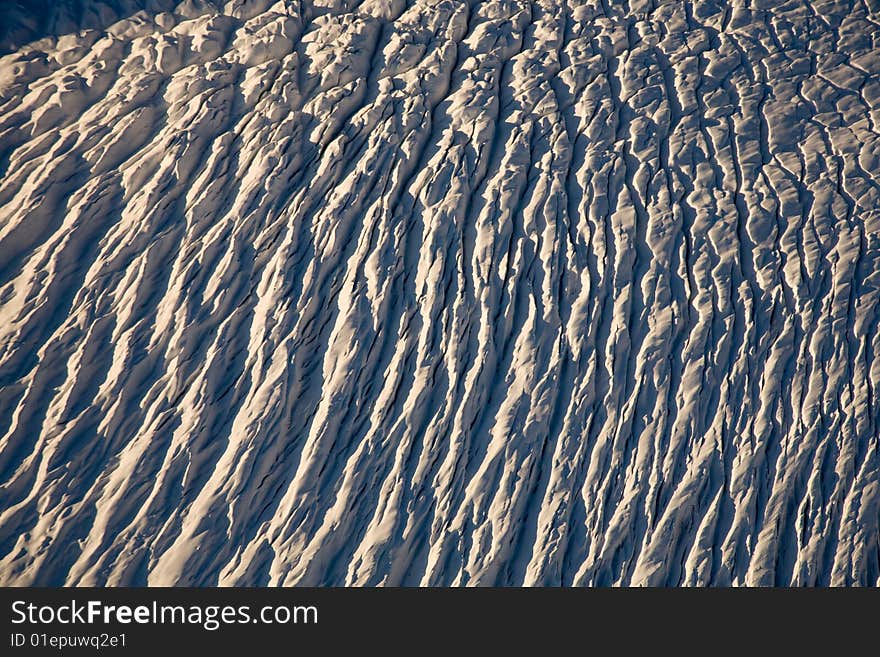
(440, 292)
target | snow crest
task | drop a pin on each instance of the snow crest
(440, 292)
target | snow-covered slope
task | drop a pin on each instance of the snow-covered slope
(440, 292)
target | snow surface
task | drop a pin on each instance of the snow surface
(440, 292)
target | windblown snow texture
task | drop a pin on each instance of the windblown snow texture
(440, 292)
